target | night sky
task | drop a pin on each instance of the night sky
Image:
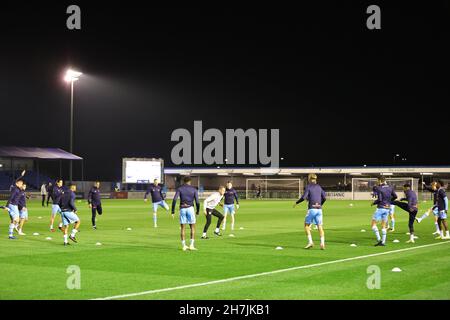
(340, 94)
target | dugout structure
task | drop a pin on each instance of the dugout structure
(362, 187)
(37, 155)
(273, 188)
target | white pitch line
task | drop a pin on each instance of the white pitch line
(202, 284)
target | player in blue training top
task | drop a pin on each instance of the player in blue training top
(228, 206)
(69, 213)
(95, 203)
(315, 196)
(57, 192)
(188, 195)
(442, 207)
(156, 192)
(12, 206)
(23, 211)
(385, 196)
(411, 206)
(391, 215)
(434, 190)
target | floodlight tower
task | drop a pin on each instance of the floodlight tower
(71, 76)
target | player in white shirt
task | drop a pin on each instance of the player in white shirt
(209, 206)
(43, 193)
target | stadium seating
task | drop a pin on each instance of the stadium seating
(31, 177)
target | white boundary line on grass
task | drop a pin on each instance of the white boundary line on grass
(202, 284)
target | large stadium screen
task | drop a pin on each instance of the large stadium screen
(142, 170)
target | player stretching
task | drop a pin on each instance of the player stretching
(209, 206)
(23, 211)
(411, 207)
(188, 194)
(155, 191)
(57, 192)
(392, 216)
(433, 189)
(442, 207)
(95, 203)
(228, 207)
(315, 196)
(12, 206)
(385, 196)
(69, 214)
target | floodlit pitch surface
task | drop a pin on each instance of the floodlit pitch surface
(142, 262)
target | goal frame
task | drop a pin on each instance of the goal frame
(411, 179)
(299, 180)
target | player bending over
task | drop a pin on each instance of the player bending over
(95, 203)
(411, 207)
(433, 189)
(385, 196)
(69, 214)
(12, 206)
(155, 191)
(315, 196)
(228, 207)
(188, 195)
(23, 211)
(209, 206)
(57, 192)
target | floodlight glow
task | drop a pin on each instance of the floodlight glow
(72, 75)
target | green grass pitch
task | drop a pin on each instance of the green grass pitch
(146, 258)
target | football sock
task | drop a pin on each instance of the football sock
(393, 224)
(447, 234)
(192, 242)
(383, 232)
(11, 229)
(310, 238)
(437, 226)
(217, 230)
(322, 240)
(377, 232)
(74, 232)
(155, 219)
(424, 216)
(65, 238)
(183, 243)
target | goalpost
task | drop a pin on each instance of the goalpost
(273, 188)
(362, 187)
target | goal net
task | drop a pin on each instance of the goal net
(273, 188)
(362, 187)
